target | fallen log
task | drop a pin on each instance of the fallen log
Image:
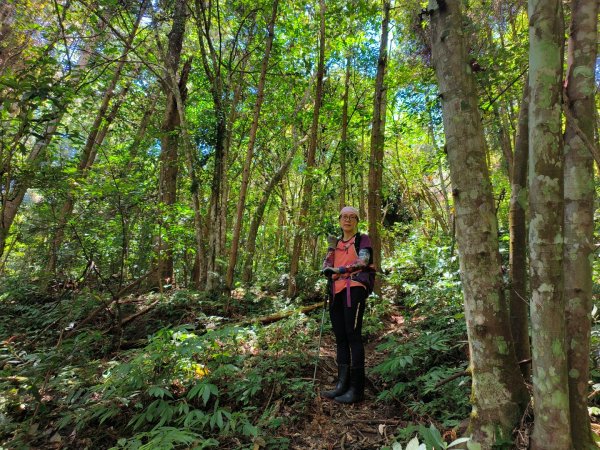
(279, 316)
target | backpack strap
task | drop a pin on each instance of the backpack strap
(357, 242)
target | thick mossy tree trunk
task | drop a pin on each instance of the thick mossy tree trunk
(518, 297)
(377, 143)
(549, 350)
(579, 211)
(498, 390)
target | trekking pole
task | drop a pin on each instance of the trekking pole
(321, 332)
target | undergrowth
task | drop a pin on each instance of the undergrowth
(425, 277)
(184, 375)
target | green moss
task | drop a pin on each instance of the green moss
(559, 400)
(558, 349)
(502, 345)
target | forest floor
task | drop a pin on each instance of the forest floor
(365, 425)
(303, 420)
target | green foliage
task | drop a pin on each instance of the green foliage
(432, 440)
(414, 367)
(426, 278)
(183, 388)
(376, 308)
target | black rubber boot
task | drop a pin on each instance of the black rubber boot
(342, 384)
(356, 393)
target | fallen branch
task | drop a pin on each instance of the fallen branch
(89, 318)
(279, 316)
(134, 284)
(464, 373)
(139, 313)
(593, 394)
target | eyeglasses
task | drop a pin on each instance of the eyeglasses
(349, 218)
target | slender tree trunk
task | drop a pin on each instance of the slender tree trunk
(250, 151)
(142, 128)
(310, 159)
(259, 212)
(377, 143)
(213, 67)
(11, 201)
(504, 139)
(579, 212)
(518, 297)
(88, 158)
(99, 130)
(169, 141)
(233, 115)
(344, 136)
(549, 349)
(498, 392)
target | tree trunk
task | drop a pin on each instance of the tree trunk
(169, 141)
(250, 151)
(98, 132)
(579, 212)
(142, 128)
(504, 139)
(259, 212)
(377, 144)
(219, 85)
(344, 137)
(11, 201)
(498, 390)
(310, 160)
(549, 350)
(518, 297)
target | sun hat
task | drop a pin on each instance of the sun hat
(349, 210)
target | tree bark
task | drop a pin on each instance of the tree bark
(377, 144)
(579, 212)
(498, 392)
(98, 132)
(518, 297)
(549, 350)
(219, 85)
(235, 241)
(302, 224)
(169, 141)
(344, 136)
(18, 187)
(259, 212)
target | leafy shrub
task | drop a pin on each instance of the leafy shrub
(428, 283)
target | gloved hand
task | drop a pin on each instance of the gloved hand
(329, 271)
(332, 241)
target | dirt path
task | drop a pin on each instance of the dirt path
(331, 425)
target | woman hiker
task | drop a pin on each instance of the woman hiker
(349, 264)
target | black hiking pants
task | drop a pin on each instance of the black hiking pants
(347, 326)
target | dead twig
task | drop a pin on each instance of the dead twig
(464, 373)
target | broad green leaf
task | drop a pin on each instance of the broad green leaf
(413, 444)
(459, 441)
